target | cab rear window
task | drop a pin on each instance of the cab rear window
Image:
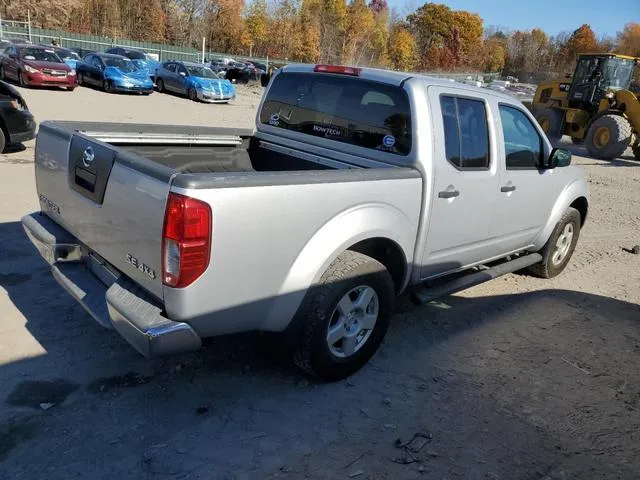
(344, 109)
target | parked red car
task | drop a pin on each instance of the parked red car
(35, 65)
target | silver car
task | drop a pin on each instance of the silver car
(196, 81)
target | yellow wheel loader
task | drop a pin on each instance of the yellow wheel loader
(594, 106)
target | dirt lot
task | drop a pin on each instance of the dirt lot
(519, 378)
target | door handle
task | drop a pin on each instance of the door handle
(508, 188)
(449, 194)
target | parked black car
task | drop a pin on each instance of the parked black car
(17, 123)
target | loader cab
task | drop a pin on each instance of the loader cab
(597, 73)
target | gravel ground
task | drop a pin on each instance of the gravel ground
(519, 378)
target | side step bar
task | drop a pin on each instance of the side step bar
(423, 295)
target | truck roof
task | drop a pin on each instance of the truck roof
(396, 78)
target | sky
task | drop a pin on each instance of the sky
(553, 16)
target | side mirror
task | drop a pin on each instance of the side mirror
(560, 157)
(182, 74)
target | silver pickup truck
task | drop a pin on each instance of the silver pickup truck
(356, 185)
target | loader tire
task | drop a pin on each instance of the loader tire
(550, 119)
(608, 137)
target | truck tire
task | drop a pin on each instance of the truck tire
(608, 137)
(344, 317)
(557, 252)
(550, 119)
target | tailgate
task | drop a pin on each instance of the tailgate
(113, 201)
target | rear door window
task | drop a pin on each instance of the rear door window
(341, 108)
(466, 132)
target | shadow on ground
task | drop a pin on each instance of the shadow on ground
(529, 386)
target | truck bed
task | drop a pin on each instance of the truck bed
(195, 150)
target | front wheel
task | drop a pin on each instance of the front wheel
(344, 317)
(160, 85)
(22, 81)
(2, 77)
(636, 152)
(608, 137)
(108, 87)
(559, 248)
(193, 95)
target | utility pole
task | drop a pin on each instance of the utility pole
(29, 23)
(203, 44)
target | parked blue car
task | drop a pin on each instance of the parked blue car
(196, 81)
(113, 73)
(141, 59)
(69, 57)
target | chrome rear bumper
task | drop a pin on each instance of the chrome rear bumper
(111, 298)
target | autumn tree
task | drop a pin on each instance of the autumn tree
(380, 35)
(583, 40)
(360, 21)
(494, 53)
(257, 24)
(224, 25)
(431, 24)
(470, 31)
(629, 40)
(402, 48)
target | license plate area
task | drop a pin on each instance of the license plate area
(90, 165)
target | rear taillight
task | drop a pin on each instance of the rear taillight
(186, 240)
(337, 69)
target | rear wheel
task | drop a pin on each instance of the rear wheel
(22, 80)
(608, 137)
(160, 85)
(80, 79)
(557, 252)
(2, 77)
(344, 317)
(636, 152)
(193, 95)
(550, 119)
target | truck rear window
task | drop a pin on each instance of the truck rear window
(345, 109)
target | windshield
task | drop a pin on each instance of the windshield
(67, 54)
(39, 54)
(610, 72)
(135, 55)
(120, 63)
(341, 108)
(203, 72)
